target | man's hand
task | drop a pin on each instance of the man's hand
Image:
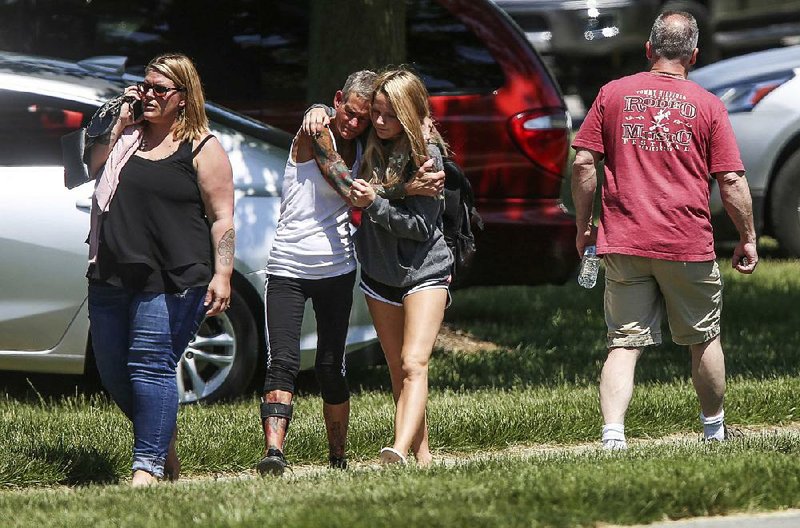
(425, 183)
(585, 237)
(315, 121)
(362, 194)
(584, 185)
(745, 257)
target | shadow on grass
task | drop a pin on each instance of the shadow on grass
(34, 387)
(76, 465)
(549, 335)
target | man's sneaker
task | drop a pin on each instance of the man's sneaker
(335, 462)
(614, 445)
(728, 433)
(273, 463)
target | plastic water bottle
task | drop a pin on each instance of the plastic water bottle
(590, 265)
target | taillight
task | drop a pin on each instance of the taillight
(543, 136)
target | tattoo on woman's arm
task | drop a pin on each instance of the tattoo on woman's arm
(225, 247)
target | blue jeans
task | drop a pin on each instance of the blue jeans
(138, 338)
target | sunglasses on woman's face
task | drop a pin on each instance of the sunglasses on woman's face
(158, 90)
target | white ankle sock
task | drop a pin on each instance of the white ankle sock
(713, 426)
(614, 437)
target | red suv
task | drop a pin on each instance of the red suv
(498, 105)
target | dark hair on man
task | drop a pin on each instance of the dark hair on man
(674, 35)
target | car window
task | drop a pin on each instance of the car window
(446, 53)
(31, 128)
(251, 52)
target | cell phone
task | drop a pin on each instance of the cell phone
(137, 109)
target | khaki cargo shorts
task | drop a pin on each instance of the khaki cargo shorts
(639, 290)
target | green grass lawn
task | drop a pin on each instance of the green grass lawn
(537, 387)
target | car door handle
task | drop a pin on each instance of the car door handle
(84, 203)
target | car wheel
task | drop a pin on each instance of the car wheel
(221, 359)
(785, 206)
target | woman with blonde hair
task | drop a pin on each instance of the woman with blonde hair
(405, 261)
(160, 251)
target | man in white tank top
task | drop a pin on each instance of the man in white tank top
(313, 257)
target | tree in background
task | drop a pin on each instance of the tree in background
(350, 35)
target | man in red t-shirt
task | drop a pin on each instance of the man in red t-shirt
(660, 137)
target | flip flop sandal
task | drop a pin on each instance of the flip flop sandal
(390, 455)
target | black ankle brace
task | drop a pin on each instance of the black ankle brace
(276, 410)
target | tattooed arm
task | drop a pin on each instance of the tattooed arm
(336, 173)
(331, 165)
(215, 178)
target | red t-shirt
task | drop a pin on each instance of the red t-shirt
(662, 137)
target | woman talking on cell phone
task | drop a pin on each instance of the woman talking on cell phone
(160, 251)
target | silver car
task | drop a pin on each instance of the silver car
(43, 227)
(761, 91)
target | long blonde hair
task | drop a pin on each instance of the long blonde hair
(386, 162)
(192, 122)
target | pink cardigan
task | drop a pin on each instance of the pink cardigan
(107, 181)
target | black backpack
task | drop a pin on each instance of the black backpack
(458, 219)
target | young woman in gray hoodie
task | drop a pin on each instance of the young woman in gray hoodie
(405, 261)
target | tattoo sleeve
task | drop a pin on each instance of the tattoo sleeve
(331, 165)
(225, 247)
(336, 173)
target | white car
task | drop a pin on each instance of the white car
(761, 91)
(43, 227)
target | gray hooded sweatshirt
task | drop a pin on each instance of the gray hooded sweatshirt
(400, 242)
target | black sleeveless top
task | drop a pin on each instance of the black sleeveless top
(155, 236)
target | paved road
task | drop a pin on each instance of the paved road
(785, 519)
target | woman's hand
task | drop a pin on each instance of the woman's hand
(126, 111)
(218, 296)
(362, 194)
(427, 181)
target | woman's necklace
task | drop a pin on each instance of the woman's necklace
(146, 146)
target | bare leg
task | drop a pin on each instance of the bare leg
(274, 427)
(336, 422)
(616, 383)
(389, 321)
(708, 375)
(424, 312)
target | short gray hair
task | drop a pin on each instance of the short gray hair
(674, 35)
(360, 83)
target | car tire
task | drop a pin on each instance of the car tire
(220, 361)
(708, 50)
(785, 206)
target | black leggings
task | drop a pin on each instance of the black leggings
(332, 299)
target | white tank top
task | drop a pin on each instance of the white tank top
(313, 236)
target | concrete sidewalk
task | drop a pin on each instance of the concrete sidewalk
(782, 519)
